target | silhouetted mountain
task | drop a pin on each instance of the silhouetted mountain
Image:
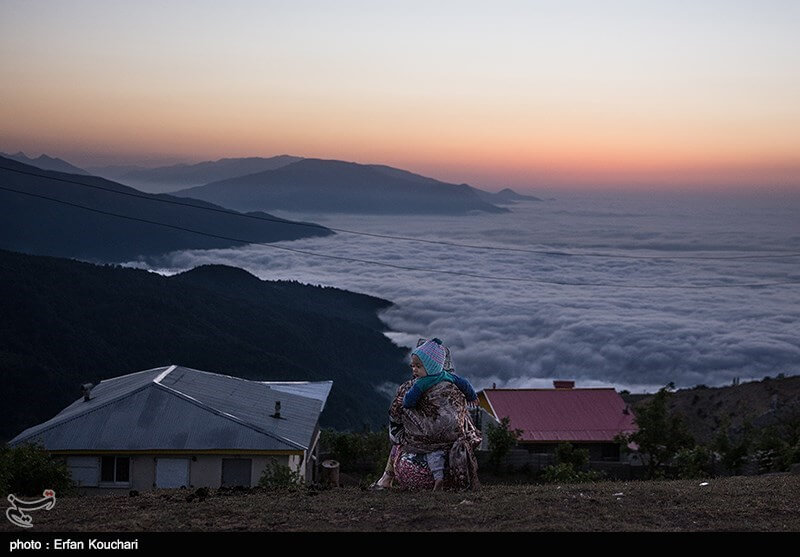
(315, 185)
(505, 196)
(69, 323)
(46, 163)
(40, 226)
(180, 176)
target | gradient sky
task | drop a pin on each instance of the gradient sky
(523, 94)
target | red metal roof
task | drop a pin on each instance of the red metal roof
(562, 414)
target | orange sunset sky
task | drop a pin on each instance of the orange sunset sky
(532, 95)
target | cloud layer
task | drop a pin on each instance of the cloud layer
(526, 334)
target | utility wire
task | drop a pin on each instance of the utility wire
(399, 267)
(403, 238)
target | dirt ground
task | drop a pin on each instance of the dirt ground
(744, 504)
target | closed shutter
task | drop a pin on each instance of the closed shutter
(85, 470)
(172, 472)
(236, 471)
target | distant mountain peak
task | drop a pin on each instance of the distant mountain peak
(46, 162)
(336, 186)
(220, 272)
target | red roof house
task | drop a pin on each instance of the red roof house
(588, 417)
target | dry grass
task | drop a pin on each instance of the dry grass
(764, 503)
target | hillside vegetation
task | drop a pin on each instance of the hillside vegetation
(708, 410)
(66, 323)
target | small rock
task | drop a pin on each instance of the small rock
(620, 494)
(704, 483)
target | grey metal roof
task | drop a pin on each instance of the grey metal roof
(180, 408)
(313, 389)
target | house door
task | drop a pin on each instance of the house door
(172, 472)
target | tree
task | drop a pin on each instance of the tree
(660, 434)
(777, 446)
(28, 470)
(501, 440)
(733, 451)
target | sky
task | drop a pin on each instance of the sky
(529, 94)
(659, 298)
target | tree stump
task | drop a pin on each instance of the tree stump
(330, 473)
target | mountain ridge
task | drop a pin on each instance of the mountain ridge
(45, 227)
(322, 185)
(46, 162)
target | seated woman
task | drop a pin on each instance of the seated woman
(433, 434)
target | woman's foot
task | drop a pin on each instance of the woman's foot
(437, 485)
(385, 482)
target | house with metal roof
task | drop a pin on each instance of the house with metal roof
(175, 426)
(586, 417)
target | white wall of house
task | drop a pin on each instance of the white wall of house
(144, 472)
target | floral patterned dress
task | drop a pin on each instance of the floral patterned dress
(440, 421)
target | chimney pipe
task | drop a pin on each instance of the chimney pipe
(87, 389)
(277, 413)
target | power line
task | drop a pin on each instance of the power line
(402, 238)
(391, 265)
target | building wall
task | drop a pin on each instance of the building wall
(597, 451)
(204, 471)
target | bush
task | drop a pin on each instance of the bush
(693, 463)
(567, 453)
(364, 452)
(569, 466)
(28, 470)
(279, 476)
(565, 472)
(501, 440)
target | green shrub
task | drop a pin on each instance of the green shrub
(501, 440)
(569, 454)
(564, 472)
(27, 470)
(693, 463)
(569, 466)
(364, 452)
(280, 476)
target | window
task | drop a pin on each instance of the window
(115, 469)
(236, 471)
(610, 452)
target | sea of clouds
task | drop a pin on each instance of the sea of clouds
(623, 320)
